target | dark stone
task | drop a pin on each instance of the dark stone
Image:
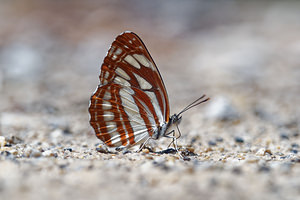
(126, 151)
(219, 139)
(67, 131)
(63, 166)
(168, 151)
(284, 136)
(8, 145)
(237, 170)
(295, 151)
(68, 149)
(264, 169)
(187, 153)
(185, 158)
(239, 140)
(101, 150)
(212, 143)
(5, 153)
(296, 134)
(295, 145)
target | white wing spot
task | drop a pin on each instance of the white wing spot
(108, 116)
(105, 82)
(121, 81)
(107, 95)
(156, 106)
(111, 50)
(126, 46)
(110, 126)
(132, 61)
(106, 75)
(128, 102)
(106, 105)
(114, 57)
(115, 139)
(118, 51)
(143, 83)
(130, 41)
(142, 59)
(122, 73)
(129, 90)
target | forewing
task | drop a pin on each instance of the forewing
(129, 63)
(131, 100)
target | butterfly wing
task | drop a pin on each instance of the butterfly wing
(131, 100)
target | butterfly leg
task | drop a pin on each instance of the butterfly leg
(174, 141)
(173, 133)
(144, 143)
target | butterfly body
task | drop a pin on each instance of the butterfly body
(131, 104)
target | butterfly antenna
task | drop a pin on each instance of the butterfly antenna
(194, 103)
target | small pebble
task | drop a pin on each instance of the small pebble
(239, 140)
(126, 151)
(14, 152)
(84, 145)
(102, 149)
(2, 141)
(49, 153)
(8, 145)
(263, 151)
(252, 159)
(222, 109)
(149, 157)
(284, 136)
(295, 145)
(67, 131)
(145, 151)
(5, 153)
(295, 151)
(35, 153)
(212, 143)
(185, 158)
(168, 151)
(14, 140)
(191, 149)
(237, 170)
(264, 169)
(208, 149)
(27, 152)
(68, 149)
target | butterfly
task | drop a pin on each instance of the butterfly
(130, 105)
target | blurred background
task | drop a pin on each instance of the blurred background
(244, 55)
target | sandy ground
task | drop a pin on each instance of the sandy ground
(243, 144)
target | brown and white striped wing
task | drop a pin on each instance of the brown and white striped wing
(131, 100)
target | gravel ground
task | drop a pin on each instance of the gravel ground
(242, 144)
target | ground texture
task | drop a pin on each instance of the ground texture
(243, 144)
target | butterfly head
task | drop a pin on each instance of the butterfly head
(175, 119)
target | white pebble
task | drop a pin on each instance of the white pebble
(221, 108)
(261, 152)
(2, 141)
(35, 153)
